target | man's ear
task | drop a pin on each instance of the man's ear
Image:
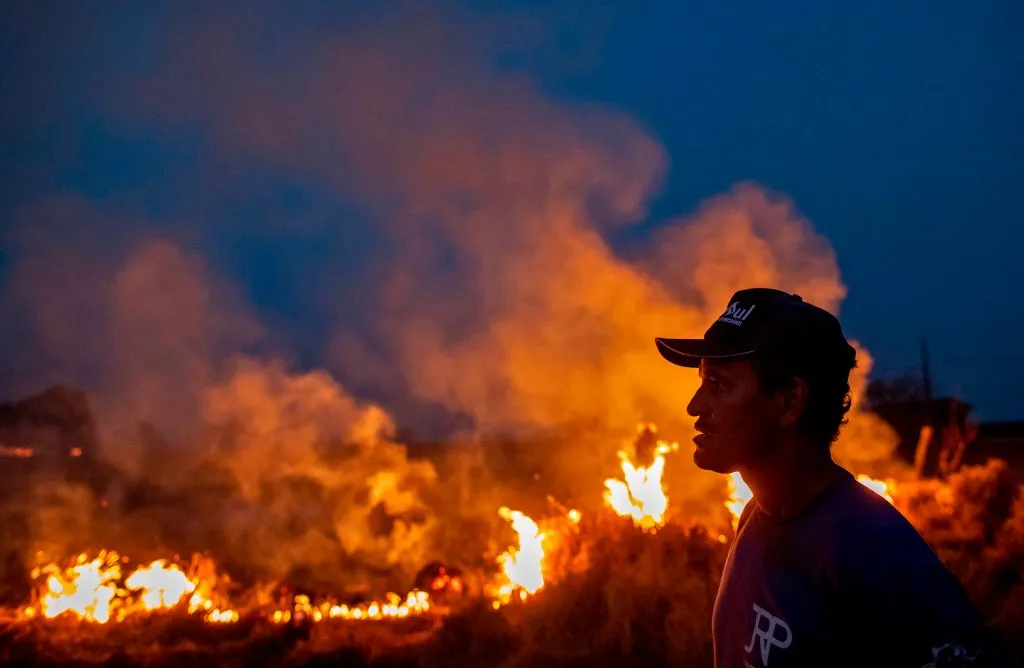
(794, 401)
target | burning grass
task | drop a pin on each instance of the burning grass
(632, 583)
(610, 590)
(93, 590)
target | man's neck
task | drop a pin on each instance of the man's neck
(787, 483)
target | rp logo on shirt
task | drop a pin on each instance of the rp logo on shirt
(771, 631)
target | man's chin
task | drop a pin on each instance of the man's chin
(706, 460)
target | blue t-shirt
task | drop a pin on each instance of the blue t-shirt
(846, 582)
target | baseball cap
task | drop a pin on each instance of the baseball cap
(763, 320)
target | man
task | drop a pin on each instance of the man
(823, 572)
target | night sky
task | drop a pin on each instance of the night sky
(897, 129)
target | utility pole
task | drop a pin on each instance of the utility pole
(927, 430)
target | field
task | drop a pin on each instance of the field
(614, 595)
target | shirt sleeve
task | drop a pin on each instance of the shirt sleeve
(899, 606)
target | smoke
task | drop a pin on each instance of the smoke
(753, 237)
(324, 490)
(494, 291)
(501, 296)
(115, 308)
(490, 287)
(283, 472)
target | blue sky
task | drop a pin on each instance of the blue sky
(896, 128)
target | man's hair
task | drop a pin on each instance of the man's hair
(828, 388)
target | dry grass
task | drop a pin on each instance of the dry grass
(618, 598)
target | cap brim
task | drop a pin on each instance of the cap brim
(689, 352)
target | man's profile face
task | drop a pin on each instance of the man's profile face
(737, 423)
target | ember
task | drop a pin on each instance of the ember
(416, 603)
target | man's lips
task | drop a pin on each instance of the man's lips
(703, 434)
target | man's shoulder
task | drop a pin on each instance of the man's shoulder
(745, 514)
(861, 527)
(875, 543)
(861, 510)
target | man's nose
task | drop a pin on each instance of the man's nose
(696, 406)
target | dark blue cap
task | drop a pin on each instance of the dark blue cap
(764, 321)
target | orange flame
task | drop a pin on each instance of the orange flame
(90, 590)
(642, 496)
(87, 589)
(880, 487)
(199, 603)
(161, 585)
(393, 607)
(739, 496)
(522, 566)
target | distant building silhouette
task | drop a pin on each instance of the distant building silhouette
(51, 437)
(53, 426)
(999, 440)
(940, 436)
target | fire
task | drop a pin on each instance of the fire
(96, 589)
(87, 589)
(161, 585)
(739, 495)
(199, 603)
(642, 495)
(393, 607)
(91, 590)
(880, 487)
(522, 566)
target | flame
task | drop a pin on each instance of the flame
(739, 495)
(161, 585)
(89, 590)
(521, 566)
(880, 487)
(393, 607)
(642, 495)
(200, 603)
